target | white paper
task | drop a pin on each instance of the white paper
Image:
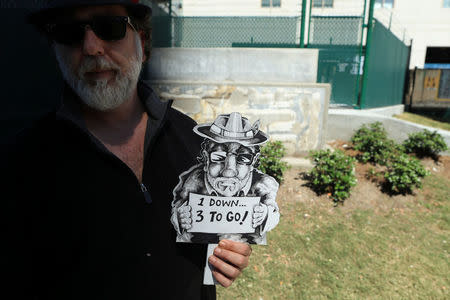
(214, 214)
(208, 278)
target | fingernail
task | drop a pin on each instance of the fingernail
(222, 244)
(217, 250)
(212, 259)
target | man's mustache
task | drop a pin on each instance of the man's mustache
(96, 64)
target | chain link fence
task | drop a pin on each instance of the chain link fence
(213, 32)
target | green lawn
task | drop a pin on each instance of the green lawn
(423, 120)
(336, 253)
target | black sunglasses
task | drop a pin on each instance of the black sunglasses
(221, 156)
(108, 28)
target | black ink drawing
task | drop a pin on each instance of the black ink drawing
(225, 196)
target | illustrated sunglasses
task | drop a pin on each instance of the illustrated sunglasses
(107, 28)
(221, 156)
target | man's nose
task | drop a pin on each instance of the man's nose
(230, 166)
(92, 44)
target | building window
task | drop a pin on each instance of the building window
(384, 3)
(446, 3)
(322, 3)
(271, 3)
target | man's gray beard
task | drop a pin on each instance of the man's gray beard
(100, 95)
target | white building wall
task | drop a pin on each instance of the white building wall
(239, 8)
(426, 22)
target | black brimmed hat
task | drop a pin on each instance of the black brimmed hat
(54, 7)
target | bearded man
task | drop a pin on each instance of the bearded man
(93, 219)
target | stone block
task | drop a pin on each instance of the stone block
(269, 116)
(289, 141)
(189, 105)
(281, 127)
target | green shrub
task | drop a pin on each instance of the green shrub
(404, 173)
(333, 173)
(425, 143)
(270, 162)
(374, 144)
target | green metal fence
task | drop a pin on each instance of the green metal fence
(339, 42)
(211, 32)
(338, 38)
(386, 69)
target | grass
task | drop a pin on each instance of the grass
(337, 254)
(423, 120)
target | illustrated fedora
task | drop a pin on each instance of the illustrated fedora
(232, 128)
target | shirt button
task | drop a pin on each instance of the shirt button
(148, 254)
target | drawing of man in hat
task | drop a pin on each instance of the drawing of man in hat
(229, 157)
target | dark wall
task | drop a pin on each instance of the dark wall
(30, 80)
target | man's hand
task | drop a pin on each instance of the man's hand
(185, 217)
(228, 260)
(259, 215)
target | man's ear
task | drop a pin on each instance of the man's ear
(143, 40)
(205, 159)
(255, 159)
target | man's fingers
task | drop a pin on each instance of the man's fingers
(186, 226)
(236, 259)
(184, 209)
(185, 215)
(186, 221)
(238, 247)
(226, 269)
(258, 215)
(258, 208)
(223, 280)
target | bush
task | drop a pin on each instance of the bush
(270, 162)
(333, 173)
(374, 144)
(404, 173)
(425, 143)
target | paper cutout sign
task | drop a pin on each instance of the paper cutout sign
(214, 214)
(225, 196)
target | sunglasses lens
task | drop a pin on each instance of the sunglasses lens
(67, 34)
(218, 156)
(110, 28)
(244, 159)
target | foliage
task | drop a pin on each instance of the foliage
(270, 161)
(320, 253)
(374, 144)
(425, 143)
(404, 173)
(333, 173)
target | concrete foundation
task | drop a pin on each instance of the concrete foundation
(275, 86)
(295, 114)
(264, 65)
(342, 124)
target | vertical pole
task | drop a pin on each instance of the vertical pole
(360, 53)
(302, 29)
(390, 21)
(172, 26)
(309, 22)
(370, 25)
(408, 85)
